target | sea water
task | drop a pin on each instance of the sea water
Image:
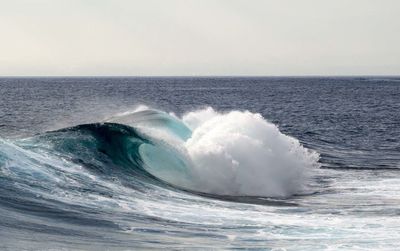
(200, 163)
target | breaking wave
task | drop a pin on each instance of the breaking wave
(236, 153)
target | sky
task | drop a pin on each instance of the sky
(199, 37)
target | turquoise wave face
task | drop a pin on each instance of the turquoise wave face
(157, 156)
(112, 147)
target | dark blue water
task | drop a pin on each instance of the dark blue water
(84, 187)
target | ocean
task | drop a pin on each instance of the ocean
(271, 163)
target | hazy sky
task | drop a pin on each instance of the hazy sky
(199, 37)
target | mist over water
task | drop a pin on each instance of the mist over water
(207, 163)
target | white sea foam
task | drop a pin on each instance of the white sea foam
(240, 153)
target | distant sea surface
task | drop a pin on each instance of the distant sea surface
(284, 163)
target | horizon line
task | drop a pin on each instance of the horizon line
(196, 76)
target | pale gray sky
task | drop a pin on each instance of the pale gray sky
(199, 37)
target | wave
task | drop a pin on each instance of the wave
(236, 153)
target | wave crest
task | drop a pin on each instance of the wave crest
(237, 153)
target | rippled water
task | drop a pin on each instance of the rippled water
(84, 165)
